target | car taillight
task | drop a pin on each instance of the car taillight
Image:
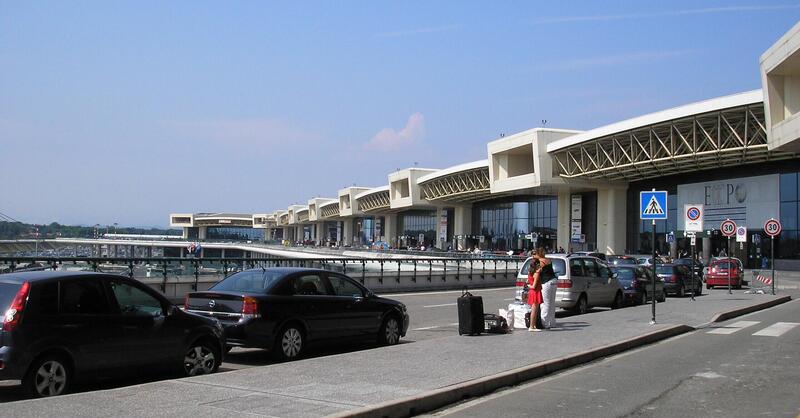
(14, 312)
(673, 279)
(564, 284)
(713, 269)
(186, 303)
(250, 307)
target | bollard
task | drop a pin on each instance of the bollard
(414, 277)
(430, 270)
(164, 282)
(444, 272)
(380, 278)
(458, 270)
(398, 272)
(130, 269)
(363, 271)
(196, 274)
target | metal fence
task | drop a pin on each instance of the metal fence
(175, 276)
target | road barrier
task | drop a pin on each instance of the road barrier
(174, 277)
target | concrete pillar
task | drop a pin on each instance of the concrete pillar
(182, 252)
(185, 233)
(390, 227)
(114, 250)
(611, 222)
(286, 235)
(150, 252)
(563, 222)
(322, 234)
(462, 225)
(347, 231)
(201, 233)
(706, 250)
(441, 239)
(222, 253)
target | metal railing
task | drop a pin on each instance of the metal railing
(187, 274)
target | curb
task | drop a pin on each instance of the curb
(724, 316)
(437, 398)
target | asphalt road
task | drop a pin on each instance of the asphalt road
(748, 366)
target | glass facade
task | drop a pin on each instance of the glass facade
(234, 233)
(415, 223)
(787, 245)
(504, 224)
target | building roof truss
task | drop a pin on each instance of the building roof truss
(330, 211)
(731, 136)
(464, 186)
(374, 201)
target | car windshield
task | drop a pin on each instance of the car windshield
(664, 270)
(623, 275)
(559, 267)
(724, 265)
(255, 280)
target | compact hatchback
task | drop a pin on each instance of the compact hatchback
(285, 309)
(719, 270)
(678, 279)
(583, 282)
(61, 327)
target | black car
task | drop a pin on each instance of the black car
(286, 309)
(698, 266)
(637, 284)
(678, 279)
(61, 327)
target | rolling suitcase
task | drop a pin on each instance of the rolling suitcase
(470, 314)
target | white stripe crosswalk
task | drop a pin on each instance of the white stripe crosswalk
(777, 329)
(734, 327)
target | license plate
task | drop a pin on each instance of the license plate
(488, 324)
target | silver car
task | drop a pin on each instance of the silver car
(583, 282)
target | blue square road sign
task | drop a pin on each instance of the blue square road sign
(653, 205)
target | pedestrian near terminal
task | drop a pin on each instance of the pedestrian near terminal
(534, 293)
(547, 278)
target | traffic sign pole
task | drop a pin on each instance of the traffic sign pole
(730, 261)
(692, 271)
(772, 255)
(653, 319)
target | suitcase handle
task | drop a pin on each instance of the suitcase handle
(465, 292)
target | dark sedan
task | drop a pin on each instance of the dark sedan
(637, 284)
(698, 266)
(61, 327)
(285, 309)
(678, 279)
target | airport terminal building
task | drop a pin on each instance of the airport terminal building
(737, 155)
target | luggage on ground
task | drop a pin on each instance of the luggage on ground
(470, 314)
(495, 324)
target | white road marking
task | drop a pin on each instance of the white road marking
(777, 329)
(437, 306)
(736, 326)
(709, 375)
(424, 328)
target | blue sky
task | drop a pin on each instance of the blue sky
(127, 111)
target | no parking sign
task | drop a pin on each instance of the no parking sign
(693, 218)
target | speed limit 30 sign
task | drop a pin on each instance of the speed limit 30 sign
(728, 228)
(772, 227)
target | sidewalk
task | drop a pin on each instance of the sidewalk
(396, 380)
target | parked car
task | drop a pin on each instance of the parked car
(707, 267)
(644, 260)
(62, 327)
(285, 309)
(678, 280)
(591, 254)
(637, 284)
(583, 282)
(621, 260)
(698, 266)
(718, 273)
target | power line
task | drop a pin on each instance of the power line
(7, 218)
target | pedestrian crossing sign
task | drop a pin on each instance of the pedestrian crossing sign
(653, 205)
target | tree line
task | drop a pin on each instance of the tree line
(19, 230)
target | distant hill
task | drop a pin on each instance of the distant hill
(19, 230)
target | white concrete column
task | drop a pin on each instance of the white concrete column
(611, 222)
(322, 234)
(202, 232)
(462, 224)
(347, 231)
(563, 222)
(391, 228)
(185, 233)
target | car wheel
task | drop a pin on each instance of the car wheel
(389, 333)
(582, 306)
(48, 376)
(617, 301)
(200, 358)
(290, 343)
